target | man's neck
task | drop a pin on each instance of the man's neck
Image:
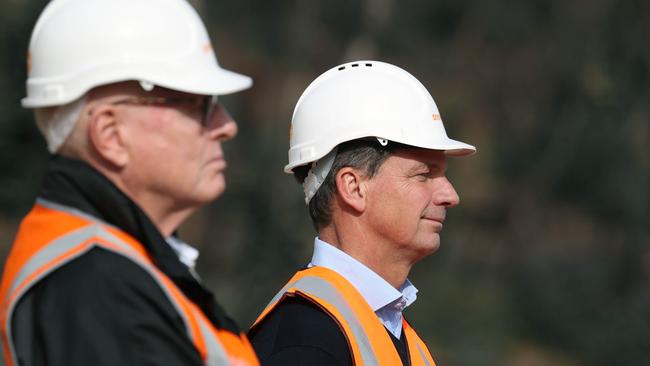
(369, 251)
(163, 214)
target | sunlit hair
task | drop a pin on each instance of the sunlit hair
(56, 123)
(366, 155)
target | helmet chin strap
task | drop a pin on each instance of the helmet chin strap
(317, 175)
(57, 126)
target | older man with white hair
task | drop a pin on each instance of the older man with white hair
(125, 93)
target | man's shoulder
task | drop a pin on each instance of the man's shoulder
(101, 301)
(300, 331)
(97, 274)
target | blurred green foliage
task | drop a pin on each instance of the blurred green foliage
(547, 259)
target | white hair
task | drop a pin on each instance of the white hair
(56, 123)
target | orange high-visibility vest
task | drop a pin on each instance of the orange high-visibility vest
(369, 342)
(52, 235)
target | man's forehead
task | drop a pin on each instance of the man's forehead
(417, 155)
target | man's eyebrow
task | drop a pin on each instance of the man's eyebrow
(418, 167)
(438, 165)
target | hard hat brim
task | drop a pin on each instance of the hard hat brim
(456, 148)
(219, 82)
(450, 147)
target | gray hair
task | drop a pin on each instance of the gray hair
(366, 155)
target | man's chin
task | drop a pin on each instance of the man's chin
(216, 193)
(211, 193)
(433, 248)
(428, 247)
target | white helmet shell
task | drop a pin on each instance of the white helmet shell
(80, 44)
(366, 99)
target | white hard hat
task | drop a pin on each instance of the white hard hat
(80, 44)
(366, 99)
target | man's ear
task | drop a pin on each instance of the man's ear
(351, 188)
(106, 135)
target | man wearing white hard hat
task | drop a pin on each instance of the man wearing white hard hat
(370, 149)
(125, 94)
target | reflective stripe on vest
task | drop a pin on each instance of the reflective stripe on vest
(416, 343)
(88, 234)
(369, 342)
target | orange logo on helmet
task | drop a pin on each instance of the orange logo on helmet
(207, 47)
(436, 117)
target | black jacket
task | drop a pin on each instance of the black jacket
(101, 308)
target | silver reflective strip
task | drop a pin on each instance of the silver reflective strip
(45, 256)
(423, 354)
(56, 248)
(322, 289)
(216, 355)
(71, 210)
(279, 295)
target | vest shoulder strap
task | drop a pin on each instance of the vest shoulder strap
(367, 337)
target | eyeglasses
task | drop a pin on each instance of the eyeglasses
(205, 104)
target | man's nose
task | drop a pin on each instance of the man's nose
(446, 194)
(221, 126)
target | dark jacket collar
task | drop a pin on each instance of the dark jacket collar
(76, 184)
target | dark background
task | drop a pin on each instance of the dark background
(545, 262)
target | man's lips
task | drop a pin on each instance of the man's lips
(436, 216)
(440, 220)
(218, 160)
(435, 222)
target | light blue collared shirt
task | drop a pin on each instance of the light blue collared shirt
(385, 300)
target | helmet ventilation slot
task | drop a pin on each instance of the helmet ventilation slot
(354, 65)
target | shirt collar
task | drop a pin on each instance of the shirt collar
(377, 292)
(186, 253)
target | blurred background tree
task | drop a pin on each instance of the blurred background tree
(547, 259)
